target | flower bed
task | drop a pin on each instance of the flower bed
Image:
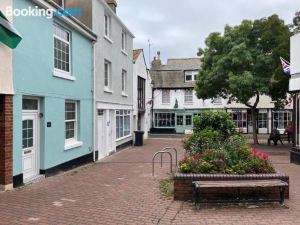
(216, 152)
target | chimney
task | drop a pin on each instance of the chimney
(112, 4)
(156, 63)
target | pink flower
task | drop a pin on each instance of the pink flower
(185, 158)
(197, 156)
(255, 151)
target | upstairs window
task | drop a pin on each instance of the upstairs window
(188, 96)
(107, 74)
(62, 46)
(124, 81)
(166, 97)
(217, 101)
(124, 41)
(190, 75)
(107, 25)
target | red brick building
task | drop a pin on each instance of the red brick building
(9, 39)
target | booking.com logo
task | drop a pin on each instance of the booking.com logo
(38, 12)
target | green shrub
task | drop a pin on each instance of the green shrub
(204, 139)
(219, 121)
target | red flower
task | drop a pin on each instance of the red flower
(197, 156)
(185, 158)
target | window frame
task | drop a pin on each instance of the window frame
(192, 73)
(124, 42)
(75, 120)
(163, 97)
(188, 96)
(262, 120)
(190, 118)
(124, 82)
(164, 116)
(108, 87)
(123, 114)
(107, 26)
(59, 72)
(240, 119)
(281, 114)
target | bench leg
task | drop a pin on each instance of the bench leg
(197, 196)
(282, 190)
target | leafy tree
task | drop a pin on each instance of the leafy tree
(296, 23)
(244, 62)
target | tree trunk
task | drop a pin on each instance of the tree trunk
(254, 118)
(254, 125)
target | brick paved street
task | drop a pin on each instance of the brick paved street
(121, 190)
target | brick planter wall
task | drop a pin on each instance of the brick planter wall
(183, 188)
(6, 146)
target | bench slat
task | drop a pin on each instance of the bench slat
(241, 183)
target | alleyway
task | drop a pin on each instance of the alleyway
(121, 190)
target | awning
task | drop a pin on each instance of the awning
(8, 34)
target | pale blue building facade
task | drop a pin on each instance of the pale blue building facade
(53, 101)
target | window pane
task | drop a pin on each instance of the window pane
(165, 96)
(30, 104)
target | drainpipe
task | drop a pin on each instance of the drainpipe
(94, 102)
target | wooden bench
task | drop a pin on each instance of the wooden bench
(240, 184)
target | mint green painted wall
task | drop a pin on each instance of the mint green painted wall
(33, 64)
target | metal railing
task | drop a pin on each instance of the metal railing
(165, 151)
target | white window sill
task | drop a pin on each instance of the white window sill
(122, 138)
(74, 144)
(63, 75)
(166, 103)
(188, 103)
(124, 94)
(124, 52)
(107, 90)
(108, 39)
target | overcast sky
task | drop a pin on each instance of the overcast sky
(178, 28)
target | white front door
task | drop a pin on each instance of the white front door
(30, 150)
(101, 140)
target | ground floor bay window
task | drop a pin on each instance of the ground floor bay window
(164, 120)
(239, 118)
(122, 123)
(281, 119)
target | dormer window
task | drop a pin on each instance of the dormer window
(190, 75)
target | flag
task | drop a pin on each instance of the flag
(285, 66)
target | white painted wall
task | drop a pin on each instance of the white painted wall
(140, 69)
(111, 50)
(295, 63)
(6, 69)
(179, 95)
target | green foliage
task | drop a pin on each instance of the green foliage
(242, 160)
(217, 121)
(242, 62)
(208, 151)
(204, 139)
(166, 186)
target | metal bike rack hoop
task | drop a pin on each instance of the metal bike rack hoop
(161, 152)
